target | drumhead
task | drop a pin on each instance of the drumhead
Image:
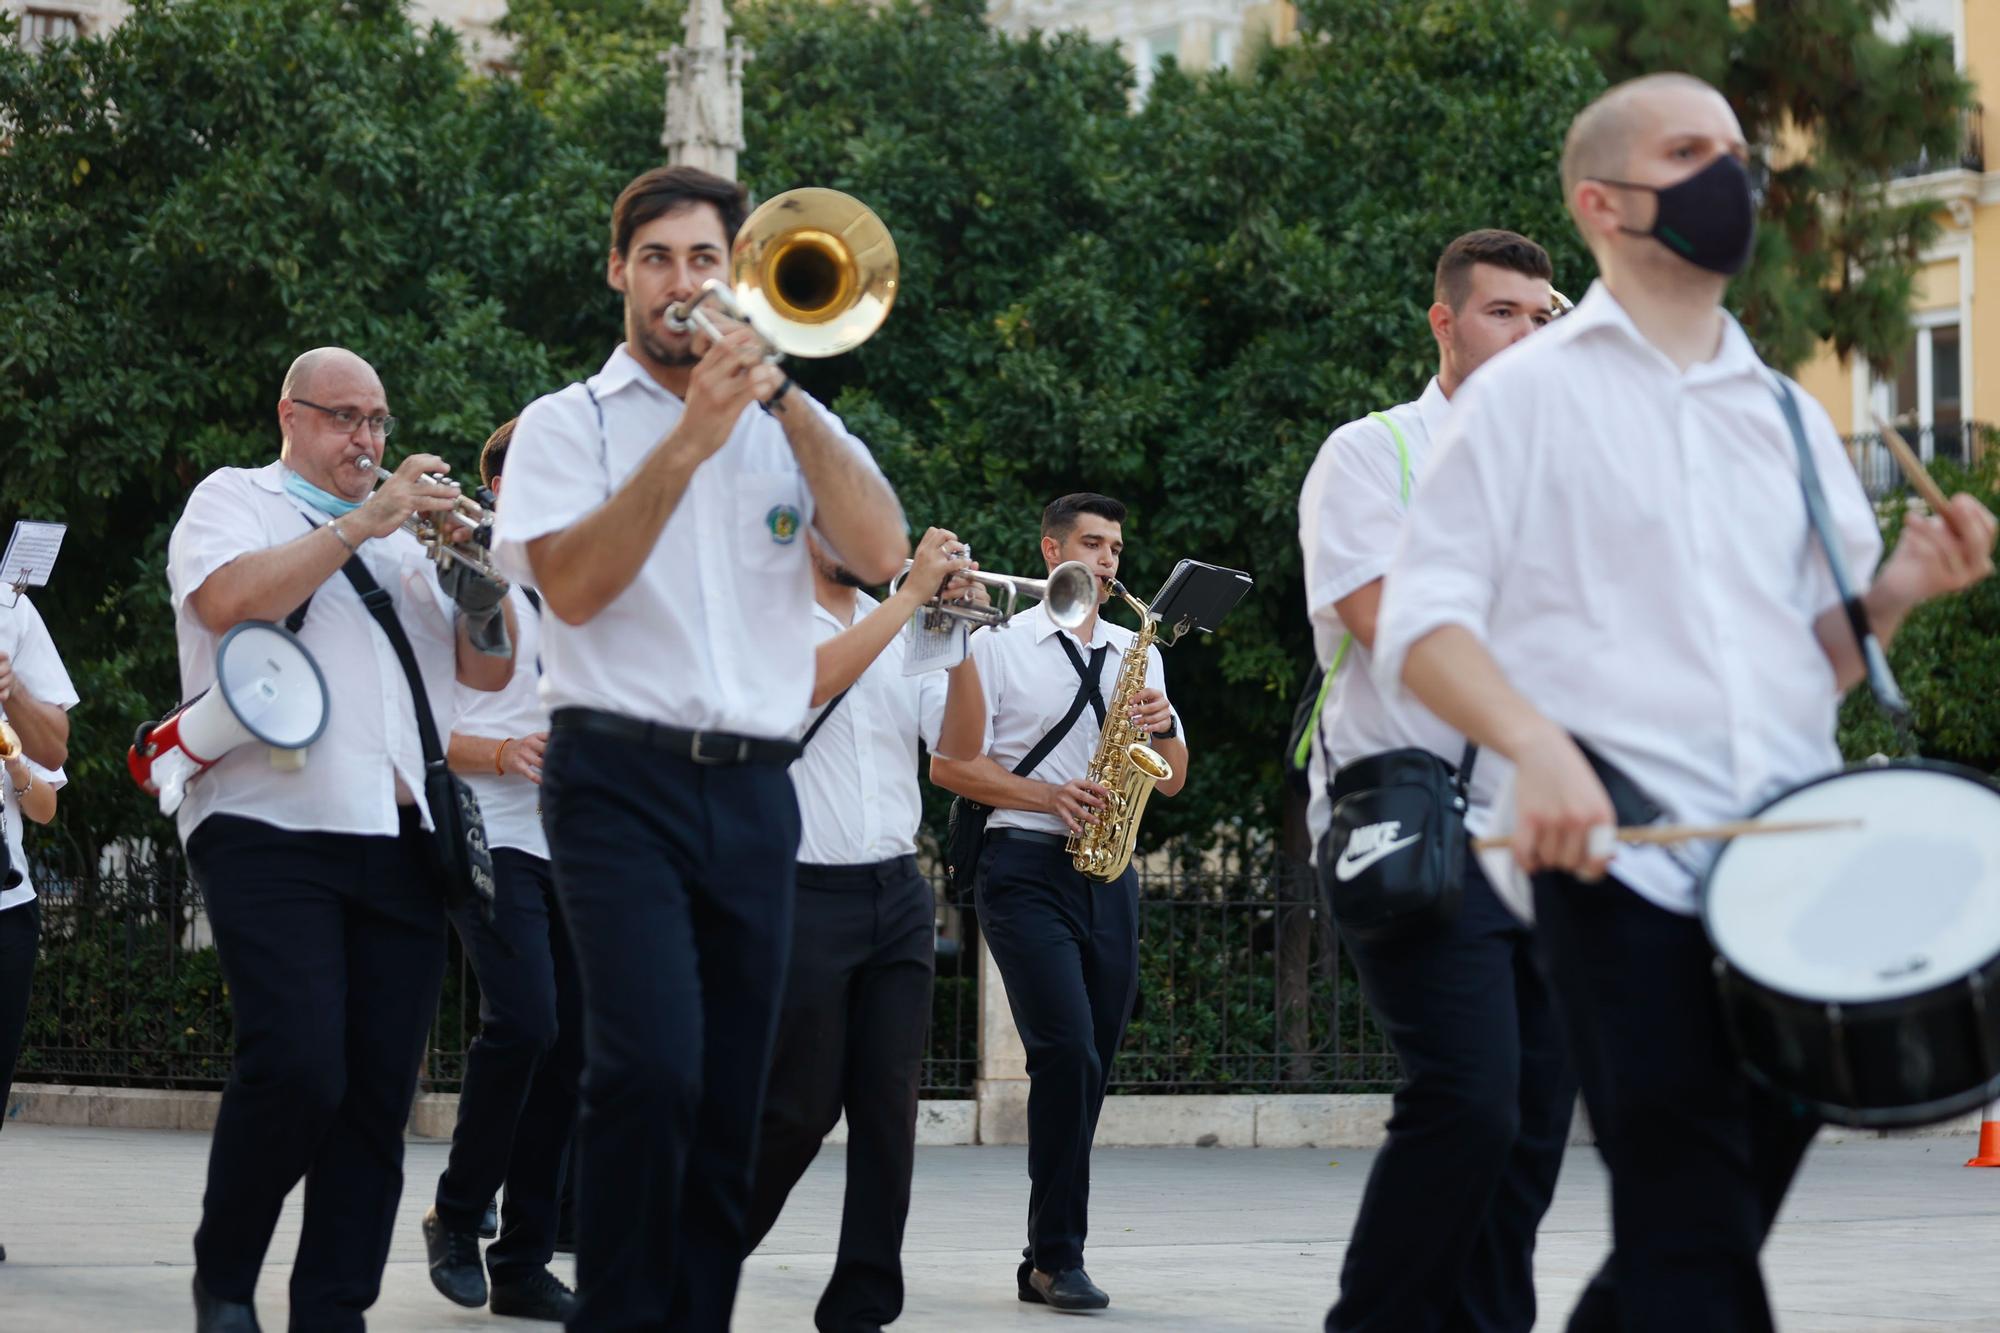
(1903, 903)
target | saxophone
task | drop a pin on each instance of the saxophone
(1124, 765)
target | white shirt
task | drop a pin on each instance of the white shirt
(1029, 685)
(39, 668)
(857, 781)
(510, 806)
(1631, 544)
(348, 784)
(10, 811)
(25, 639)
(1350, 512)
(715, 632)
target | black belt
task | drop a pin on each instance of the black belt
(1028, 835)
(701, 747)
(893, 870)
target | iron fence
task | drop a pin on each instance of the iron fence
(1242, 989)
(1962, 443)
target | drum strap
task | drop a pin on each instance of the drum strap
(1881, 681)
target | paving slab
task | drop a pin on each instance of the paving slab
(1878, 1235)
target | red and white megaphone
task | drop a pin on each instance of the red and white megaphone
(267, 688)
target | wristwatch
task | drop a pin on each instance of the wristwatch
(1173, 728)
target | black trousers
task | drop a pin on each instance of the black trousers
(1068, 949)
(1700, 1158)
(851, 1035)
(518, 1102)
(676, 882)
(333, 948)
(1445, 1239)
(20, 933)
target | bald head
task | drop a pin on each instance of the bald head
(310, 369)
(1601, 138)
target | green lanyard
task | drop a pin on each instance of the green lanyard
(1303, 754)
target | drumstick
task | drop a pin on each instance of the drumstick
(1913, 468)
(1655, 835)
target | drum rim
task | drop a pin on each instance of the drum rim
(1940, 766)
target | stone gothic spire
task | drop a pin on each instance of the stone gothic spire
(705, 92)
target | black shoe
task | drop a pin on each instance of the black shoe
(218, 1316)
(535, 1294)
(1070, 1289)
(489, 1221)
(455, 1268)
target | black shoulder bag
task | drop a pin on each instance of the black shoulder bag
(458, 832)
(965, 826)
(459, 855)
(1392, 862)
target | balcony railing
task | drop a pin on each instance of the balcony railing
(1971, 148)
(1962, 443)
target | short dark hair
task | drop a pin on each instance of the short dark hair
(663, 190)
(493, 454)
(1061, 515)
(1502, 249)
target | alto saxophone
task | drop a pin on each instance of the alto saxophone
(1124, 765)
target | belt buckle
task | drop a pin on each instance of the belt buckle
(733, 756)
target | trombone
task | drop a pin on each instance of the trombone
(1070, 593)
(813, 273)
(429, 532)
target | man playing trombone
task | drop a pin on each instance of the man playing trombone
(319, 882)
(660, 508)
(857, 994)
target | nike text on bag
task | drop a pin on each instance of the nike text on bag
(1390, 863)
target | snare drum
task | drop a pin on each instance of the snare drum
(1860, 967)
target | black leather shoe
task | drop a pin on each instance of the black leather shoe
(455, 1267)
(219, 1316)
(489, 1221)
(535, 1294)
(1070, 1289)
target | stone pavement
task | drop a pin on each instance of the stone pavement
(1878, 1235)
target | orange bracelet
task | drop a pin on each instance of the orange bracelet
(500, 757)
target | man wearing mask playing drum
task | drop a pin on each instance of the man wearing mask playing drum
(1652, 589)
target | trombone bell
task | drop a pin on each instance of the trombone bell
(813, 271)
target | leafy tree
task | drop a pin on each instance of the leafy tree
(192, 199)
(1834, 109)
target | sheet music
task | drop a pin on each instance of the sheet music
(31, 554)
(933, 641)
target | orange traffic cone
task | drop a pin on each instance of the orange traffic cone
(1989, 1138)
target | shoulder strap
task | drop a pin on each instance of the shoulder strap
(384, 611)
(1881, 681)
(534, 598)
(1300, 755)
(603, 438)
(1090, 675)
(824, 714)
(1402, 450)
(1087, 692)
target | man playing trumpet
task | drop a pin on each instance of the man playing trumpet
(857, 994)
(319, 883)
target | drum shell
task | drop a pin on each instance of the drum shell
(1893, 1064)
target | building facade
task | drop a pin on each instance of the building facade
(1942, 384)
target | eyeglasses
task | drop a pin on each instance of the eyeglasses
(347, 419)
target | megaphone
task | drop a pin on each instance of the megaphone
(267, 688)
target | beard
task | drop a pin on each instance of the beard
(844, 576)
(654, 340)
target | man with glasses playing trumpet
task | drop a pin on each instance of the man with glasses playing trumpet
(857, 993)
(660, 508)
(318, 882)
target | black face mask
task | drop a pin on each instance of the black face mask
(1709, 219)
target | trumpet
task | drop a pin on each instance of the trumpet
(813, 273)
(1070, 592)
(10, 744)
(473, 552)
